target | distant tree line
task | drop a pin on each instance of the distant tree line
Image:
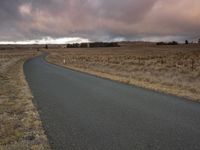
(167, 43)
(176, 43)
(93, 45)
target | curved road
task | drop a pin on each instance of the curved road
(84, 112)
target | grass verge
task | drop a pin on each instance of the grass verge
(20, 124)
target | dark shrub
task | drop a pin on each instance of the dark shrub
(161, 43)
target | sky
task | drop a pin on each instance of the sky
(68, 21)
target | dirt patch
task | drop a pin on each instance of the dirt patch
(169, 69)
(21, 127)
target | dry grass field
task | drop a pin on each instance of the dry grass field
(173, 69)
(20, 125)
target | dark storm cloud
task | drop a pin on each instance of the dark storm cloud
(8, 17)
(99, 19)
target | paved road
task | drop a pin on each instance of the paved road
(83, 112)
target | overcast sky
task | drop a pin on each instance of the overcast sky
(99, 20)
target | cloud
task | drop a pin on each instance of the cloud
(25, 9)
(48, 40)
(99, 19)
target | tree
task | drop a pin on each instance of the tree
(46, 46)
(186, 42)
(199, 41)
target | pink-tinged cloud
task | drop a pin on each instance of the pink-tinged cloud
(100, 19)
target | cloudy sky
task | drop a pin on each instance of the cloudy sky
(99, 20)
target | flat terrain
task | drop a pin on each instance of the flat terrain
(20, 124)
(171, 69)
(84, 112)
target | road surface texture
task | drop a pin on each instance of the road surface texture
(83, 112)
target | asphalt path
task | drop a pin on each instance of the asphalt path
(83, 112)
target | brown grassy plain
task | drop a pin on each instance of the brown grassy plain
(20, 124)
(171, 69)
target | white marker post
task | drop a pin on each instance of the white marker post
(64, 61)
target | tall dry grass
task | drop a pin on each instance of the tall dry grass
(171, 69)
